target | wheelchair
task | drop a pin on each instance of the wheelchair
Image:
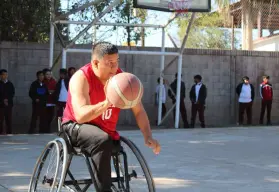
(57, 177)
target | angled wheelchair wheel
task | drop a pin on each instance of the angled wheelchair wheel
(132, 172)
(50, 169)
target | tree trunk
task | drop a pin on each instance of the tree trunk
(143, 37)
(247, 26)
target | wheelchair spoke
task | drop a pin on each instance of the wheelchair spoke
(44, 176)
(134, 167)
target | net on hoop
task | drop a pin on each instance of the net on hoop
(181, 7)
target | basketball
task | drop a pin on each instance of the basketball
(124, 90)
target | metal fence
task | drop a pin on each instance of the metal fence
(243, 25)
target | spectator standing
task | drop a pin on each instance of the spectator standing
(7, 93)
(164, 109)
(61, 92)
(71, 72)
(246, 93)
(266, 93)
(50, 82)
(198, 96)
(38, 92)
(183, 111)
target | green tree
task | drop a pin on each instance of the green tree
(123, 13)
(26, 20)
(206, 31)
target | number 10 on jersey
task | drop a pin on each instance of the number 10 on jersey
(107, 114)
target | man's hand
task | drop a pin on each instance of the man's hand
(6, 102)
(37, 100)
(154, 144)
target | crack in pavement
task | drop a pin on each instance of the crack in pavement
(5, 188)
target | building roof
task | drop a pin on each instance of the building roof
(269, 13)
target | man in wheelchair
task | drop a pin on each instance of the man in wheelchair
(90, 119)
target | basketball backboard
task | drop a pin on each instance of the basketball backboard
(167, 5)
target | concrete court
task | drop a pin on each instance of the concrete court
(197, 160)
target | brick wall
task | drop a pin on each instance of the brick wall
(221, 72)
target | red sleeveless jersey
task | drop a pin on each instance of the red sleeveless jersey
(108, 120)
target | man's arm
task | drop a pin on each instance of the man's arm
(191, 94)
(144, 125)
(31, 92)
(205, 91)
(84, 112)
(253, 92)
(238, 89)
(271, 91)
(261, 91)
(12, 90)
(142, 121)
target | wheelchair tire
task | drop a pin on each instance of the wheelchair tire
(142, 161)
(50, 182)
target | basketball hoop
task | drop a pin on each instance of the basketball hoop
(181, 7)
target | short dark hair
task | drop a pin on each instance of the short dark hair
(266, 77)
(46, 70)
(63, 71)
(101, 49)
(3, 71)
(71, 68)
(245, 78)
(198, 77)
(39, 72)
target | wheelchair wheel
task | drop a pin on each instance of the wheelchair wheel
(133, 168)
(50, 169)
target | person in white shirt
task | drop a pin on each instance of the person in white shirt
(164, 109)
(61, 92)
(198, 96)
(246, 93)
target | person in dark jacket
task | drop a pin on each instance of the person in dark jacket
(61, 92)
(7, 93)
(183, 111)
(246, 93)
(198, 96)
(266, 93)
(38, 93)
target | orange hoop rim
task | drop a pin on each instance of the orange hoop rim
(181, 11)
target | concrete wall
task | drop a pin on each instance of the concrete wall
(221, 71)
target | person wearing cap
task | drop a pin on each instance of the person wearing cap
(198, 96)
(266, 93)
(246, 93)
(183, 111)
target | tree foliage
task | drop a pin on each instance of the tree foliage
(123, 13)
(26, 20)
(206, 32)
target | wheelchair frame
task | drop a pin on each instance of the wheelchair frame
(68, 152)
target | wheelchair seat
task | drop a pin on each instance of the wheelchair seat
(78, 151)
(71, 149)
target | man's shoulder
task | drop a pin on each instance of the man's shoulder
(240, 84)
(10, 83)
(34, 82)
